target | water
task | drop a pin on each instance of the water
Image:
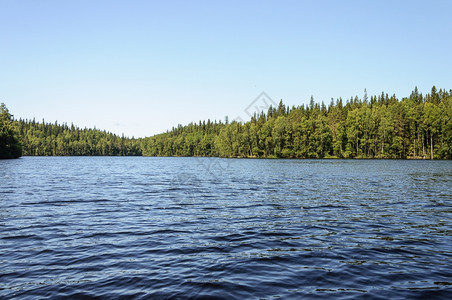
(118, 227)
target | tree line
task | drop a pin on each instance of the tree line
(377, 127)
(47, 139)
(418, 126)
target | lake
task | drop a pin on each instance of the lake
(145, 227)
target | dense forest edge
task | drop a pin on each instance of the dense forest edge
(10, 146)
(415, 127)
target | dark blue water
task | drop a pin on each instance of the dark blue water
(117, 227)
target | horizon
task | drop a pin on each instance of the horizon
(141, 68)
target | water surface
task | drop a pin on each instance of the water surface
(144, 227)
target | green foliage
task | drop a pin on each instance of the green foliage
(192, 140)
(382, 127)
(45, 139)
(10, 146)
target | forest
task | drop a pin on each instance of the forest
(47, 139)
(415, 127)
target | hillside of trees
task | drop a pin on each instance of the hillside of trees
(418, 126)
(10, 146)
(380, 127)
(46, 139)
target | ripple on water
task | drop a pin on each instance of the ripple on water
(79, 227)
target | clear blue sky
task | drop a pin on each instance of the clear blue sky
(141, 67)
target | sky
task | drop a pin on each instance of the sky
(139, 68)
